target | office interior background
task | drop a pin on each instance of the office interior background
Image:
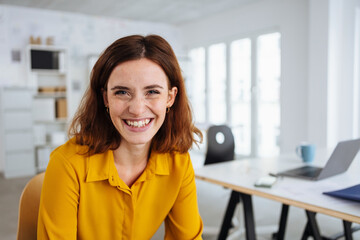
(279, 72)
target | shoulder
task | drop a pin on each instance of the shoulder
(180, 156)
(179, 162)
(69, 149)
(175, 158)
(70, 153)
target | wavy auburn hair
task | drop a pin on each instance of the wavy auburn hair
(93, 127)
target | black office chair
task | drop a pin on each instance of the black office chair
(220, 144)
(221, 148)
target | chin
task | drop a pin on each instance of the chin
(139, 141)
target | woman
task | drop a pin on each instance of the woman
(126, 168)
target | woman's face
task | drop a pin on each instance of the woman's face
(137, 96)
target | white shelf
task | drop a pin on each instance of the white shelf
(51, 95)
(47, 145)
(47, 72)
(48, 47)
(56, 121)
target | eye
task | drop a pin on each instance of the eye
(121, 92)
(153, 92)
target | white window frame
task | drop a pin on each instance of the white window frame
(254, 86)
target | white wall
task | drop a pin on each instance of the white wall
(290, 17)
(344, 12)
(332, 99)
(357, 71)
(84, 35)
(318, 72)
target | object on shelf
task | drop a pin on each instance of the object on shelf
(61, 108)
(57, 89)
(50, 41)
(35, 40)
(47, 89)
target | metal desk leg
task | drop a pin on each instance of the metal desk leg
(226, 224)
(312, 224)
(249, 216)
(313, 230)
(307, 232)
(347, 230)
(280, 234)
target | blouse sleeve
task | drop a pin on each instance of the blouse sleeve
(184, 221)
(59, 201)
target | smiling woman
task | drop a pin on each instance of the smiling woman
(126, 168)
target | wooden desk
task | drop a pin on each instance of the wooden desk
(240, 176)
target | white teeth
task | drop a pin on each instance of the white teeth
(138, 124)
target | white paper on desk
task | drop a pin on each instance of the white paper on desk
(304, 189)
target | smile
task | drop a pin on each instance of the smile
(138, 124)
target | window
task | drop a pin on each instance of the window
(268, 82)
(196, 86)
(217, 84)
(240, 70)
(238, 84)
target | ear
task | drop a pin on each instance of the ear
(171, 96)
(105, 98)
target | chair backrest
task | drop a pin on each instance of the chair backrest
(220, 144)
(29, 208)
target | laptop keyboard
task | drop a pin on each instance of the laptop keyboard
(308, 171)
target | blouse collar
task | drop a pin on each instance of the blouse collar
(102, 166)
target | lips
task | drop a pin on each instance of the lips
(138, 123)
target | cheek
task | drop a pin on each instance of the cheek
(159, 106)
(116, 108)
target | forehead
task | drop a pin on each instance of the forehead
(137, 73)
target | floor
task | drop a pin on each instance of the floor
(212, 202)
(10, 191)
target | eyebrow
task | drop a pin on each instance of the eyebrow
(153, 86)
(126, 88)
(119, 88)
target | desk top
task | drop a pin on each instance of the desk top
(240, 175)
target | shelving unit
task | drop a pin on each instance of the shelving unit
(48, 76)
(16, 133)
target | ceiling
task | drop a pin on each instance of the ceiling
(167, 11)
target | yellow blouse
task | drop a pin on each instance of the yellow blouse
(83, 197)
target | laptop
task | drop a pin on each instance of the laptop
(339, 161)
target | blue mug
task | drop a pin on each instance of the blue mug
(306, 152)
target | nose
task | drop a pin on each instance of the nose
(137, 106)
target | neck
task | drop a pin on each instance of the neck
(131, 161)
(131, 155)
